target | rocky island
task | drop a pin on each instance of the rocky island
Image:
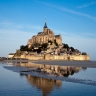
(48, 46)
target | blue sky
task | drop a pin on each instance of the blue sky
(75, 20)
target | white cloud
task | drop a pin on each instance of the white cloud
(11, 25)
(87, 4)
(6, 23)
(70, 11)
(76, 34)
(37, 27)
(14, 36)
(61, 13)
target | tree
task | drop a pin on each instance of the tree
(72, 49)
(66, 46)
(25, 48)
(84, 53)
(49, 41)
(55, 43)
(44, 45)
(39, 50)
(22, 47)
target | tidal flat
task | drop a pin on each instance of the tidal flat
(90, 64)
(46, 78)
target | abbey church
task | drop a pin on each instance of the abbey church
(44, 37)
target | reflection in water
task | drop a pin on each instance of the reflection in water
(64, 71)
(46, 85)
(43, 86)
(37, 73)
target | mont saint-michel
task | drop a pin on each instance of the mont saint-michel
(48, 46)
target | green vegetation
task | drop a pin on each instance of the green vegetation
(44, 46)
(67, 47)
(55, 43)
(34, 48)
(49, 41)
(84, 53)
(25, 48)
(72, 49)
(41, 47)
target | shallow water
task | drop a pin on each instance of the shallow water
(18, 84)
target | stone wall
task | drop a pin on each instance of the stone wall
(67, 57)
(80, 57)
(56, 57)
(33, 57)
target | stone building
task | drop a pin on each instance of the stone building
(11, 55)
(44, 37)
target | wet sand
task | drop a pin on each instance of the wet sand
(91, 64)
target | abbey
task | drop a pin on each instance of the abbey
(47, 46)
(44, 37)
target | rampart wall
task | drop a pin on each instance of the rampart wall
(57, 57)
(32, 57)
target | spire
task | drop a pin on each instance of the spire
(45, 25)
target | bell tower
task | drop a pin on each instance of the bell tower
(45, 25)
